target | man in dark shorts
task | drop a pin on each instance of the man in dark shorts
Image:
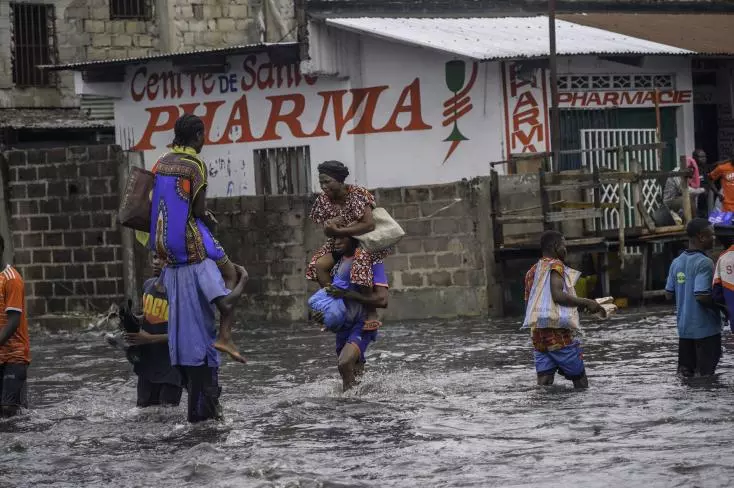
(352, 341)
(15, 351)
(690, 281)
(159, 383)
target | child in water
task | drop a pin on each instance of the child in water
(552, 314)
(159, 383)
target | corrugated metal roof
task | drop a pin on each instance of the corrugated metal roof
(502, 38)
(229, 50)
(50, 118)
(702, 33)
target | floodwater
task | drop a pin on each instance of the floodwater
(442, 404)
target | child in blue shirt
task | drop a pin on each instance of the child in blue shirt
(690, 281)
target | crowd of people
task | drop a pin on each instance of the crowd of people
(177, 344)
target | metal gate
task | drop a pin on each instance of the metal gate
(648, 159)
(650, 189)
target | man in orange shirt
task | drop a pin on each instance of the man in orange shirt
(15, 350)
(724, 174)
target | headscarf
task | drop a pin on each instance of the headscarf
(334, 169)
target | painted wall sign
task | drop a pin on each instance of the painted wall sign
(259, 105)
(526, 110)
(605, 99)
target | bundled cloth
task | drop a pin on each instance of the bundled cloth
(334, 309)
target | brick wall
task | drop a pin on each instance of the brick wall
(63, 205)
(437, 270)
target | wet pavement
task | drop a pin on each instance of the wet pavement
(442, 404)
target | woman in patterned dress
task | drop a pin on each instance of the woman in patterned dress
(344, 210)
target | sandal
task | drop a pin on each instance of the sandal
(371, 325)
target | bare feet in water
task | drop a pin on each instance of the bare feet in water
(229, 348)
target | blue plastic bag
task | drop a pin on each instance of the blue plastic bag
(717, 217)
(334, 309)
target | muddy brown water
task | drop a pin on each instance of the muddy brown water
(443, 403)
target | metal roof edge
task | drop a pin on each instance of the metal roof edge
(377, 35)
(229, 50)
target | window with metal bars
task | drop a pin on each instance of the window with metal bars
(130, 9)
(283, 171)
(33, 43)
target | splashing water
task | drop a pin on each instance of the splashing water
(442, 404)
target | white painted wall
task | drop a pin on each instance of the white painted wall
(403, 90)
(417, 158)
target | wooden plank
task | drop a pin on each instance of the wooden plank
(571, 186)
(653, 293)
(577, 205)
(534, 207)
(614, 176)
(646, 219)
(533, 242)
(519, 219)
(590, 213)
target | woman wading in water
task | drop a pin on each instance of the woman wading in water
(344, 211)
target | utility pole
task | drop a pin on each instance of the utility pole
(555, 115)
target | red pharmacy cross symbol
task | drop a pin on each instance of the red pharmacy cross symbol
(458, 105)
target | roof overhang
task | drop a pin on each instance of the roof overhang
(50, 118)
(198, 60)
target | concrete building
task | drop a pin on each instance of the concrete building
(399, 103)
(44, 106)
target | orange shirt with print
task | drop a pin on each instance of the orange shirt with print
(12, 298)
(724, 173)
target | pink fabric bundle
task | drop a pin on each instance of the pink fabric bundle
(695, 181)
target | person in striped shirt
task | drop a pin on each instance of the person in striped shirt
(552, 314)
(15, 349)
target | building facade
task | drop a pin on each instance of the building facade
(50, 32)
(400, 108)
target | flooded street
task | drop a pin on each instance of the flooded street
(442, 404)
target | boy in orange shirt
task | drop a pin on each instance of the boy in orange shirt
(15, 351)
(724, 174)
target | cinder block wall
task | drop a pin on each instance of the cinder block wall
(437, 270)
(63, 204)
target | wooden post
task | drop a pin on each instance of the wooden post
(544, 200)
(636, 194)
(622, 220)
(555, 124)
(597, 199)
(645, 272)
(687, 211)
(495, 209)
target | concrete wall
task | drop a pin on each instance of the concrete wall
(63, 205)
(438, 270)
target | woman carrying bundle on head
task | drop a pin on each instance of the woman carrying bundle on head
(345, 211)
